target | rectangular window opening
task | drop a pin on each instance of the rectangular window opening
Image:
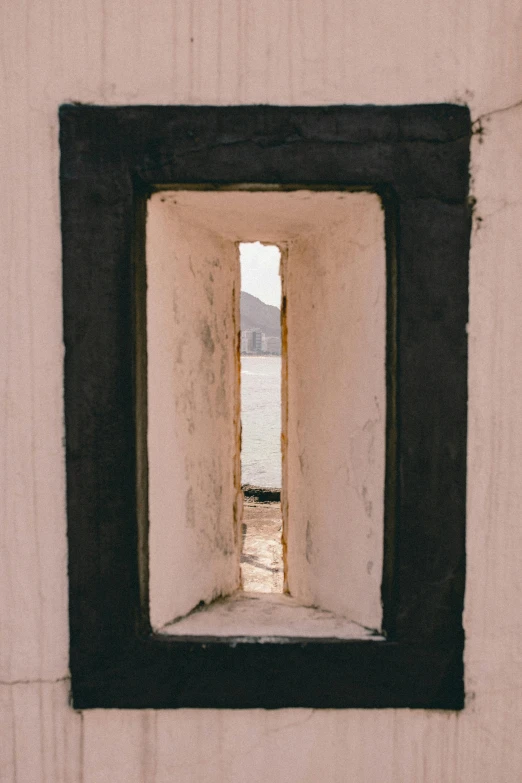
(266, 515)
(262, 566)
(375, 305)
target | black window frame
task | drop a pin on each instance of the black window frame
(417, 159)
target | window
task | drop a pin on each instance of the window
(262, 555)
(136, 429)
(334, 368)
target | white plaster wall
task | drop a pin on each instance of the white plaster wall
(333, 430)
(193, 413)
(335, 285)
(241, 51)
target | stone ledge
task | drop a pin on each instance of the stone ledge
(266, 617)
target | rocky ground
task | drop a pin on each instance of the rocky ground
(262, 559)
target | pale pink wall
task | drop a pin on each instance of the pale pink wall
(241, 51)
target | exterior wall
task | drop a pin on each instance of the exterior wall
(241, 51)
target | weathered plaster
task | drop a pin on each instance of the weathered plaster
(226, 52)
(333, 430)
(193, 424)
(265, 617)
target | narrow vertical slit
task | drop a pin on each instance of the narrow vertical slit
(262, 567)
(284, 414)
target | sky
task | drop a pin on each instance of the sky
(260, 271)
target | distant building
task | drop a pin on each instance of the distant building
(257, 341)
(273, 345)
(245, 336)
(253, 341)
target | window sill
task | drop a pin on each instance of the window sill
(266, 617)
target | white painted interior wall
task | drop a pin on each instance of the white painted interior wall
(333, 482)
(193, 412)
(226, 52)
(335, 284)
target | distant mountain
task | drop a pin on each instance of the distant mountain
(255, 314)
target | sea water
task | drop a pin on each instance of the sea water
(261, 420)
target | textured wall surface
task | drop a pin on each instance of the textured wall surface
(335, 285)
(226, 52)
(193, 405)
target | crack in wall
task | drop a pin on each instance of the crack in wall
(501, 110)
(36, 681)
(477, 124)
